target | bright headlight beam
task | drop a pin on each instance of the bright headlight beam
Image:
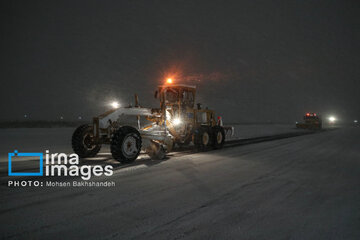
(176, 121)
(332, 119)
(114, 104)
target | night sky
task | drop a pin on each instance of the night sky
(252, 61)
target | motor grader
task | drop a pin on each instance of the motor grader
(311, 121)
(176, 122)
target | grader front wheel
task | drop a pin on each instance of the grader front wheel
(83, 142)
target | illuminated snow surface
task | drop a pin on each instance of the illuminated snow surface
(304, 187)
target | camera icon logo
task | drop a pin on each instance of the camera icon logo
(18, 154)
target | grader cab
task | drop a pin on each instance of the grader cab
(176, 122)
(180, 117)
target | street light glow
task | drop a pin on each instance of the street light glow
(115, 104)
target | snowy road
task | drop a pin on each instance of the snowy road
(304, 187)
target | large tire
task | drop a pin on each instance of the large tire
(218, 136)
(126, 144)
(203, 138)
(83, 142)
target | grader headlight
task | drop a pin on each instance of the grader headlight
(177, 121)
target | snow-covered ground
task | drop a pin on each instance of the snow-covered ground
(34, 140)
(259, 130)
(303, 187)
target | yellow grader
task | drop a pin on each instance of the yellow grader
(311, 121)
(176, 122)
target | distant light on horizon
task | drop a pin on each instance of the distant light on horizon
(332, 119)
(355, 121)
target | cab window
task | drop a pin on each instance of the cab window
(188, 98)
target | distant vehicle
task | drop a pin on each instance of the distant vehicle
(356, 123)
(311, 121)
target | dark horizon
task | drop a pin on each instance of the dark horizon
(251, 61)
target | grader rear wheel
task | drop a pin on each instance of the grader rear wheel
(219, 137)
(203, 138)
